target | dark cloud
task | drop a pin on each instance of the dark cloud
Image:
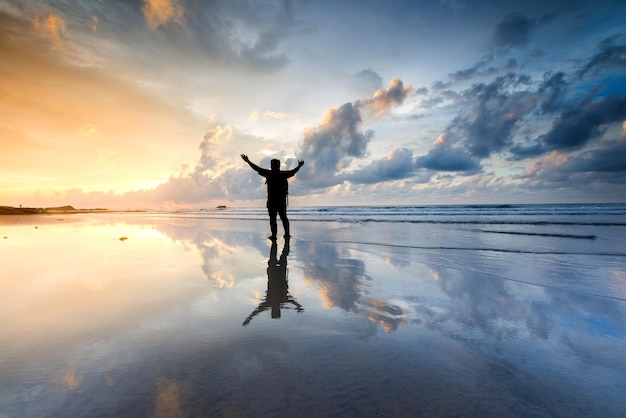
(492, 112)
(554, 86)
(397, 165)
(446, 96)
(605, 163)
(466, 74)
(513, 30)
(608, 157)
(609, 55)
(481, 70)
(450, 95)
(473, 71)
(440, 85)
(485, 124)
(537, 53)
(447, 158)
(522, 151)
(580, 123)
(511, 64)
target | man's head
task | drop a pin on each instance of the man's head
(275, 164)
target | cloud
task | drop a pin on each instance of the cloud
(474, 70)
(212, 178)
(328, 150)
(397, 165)
(608, 157)
(441, 98)
(448, 158)
(609, 55)
(440, 85)
(256, 116)
(161, 12)
(384, 99)
(248, 32)
(240, 34)
(367, 80)
(554, 86)
(340, 279)
(493, 110)
(605, 163)
(261, 55)
(513, 31)
(52, 25)
(208, 163)
(511, 64)
(330, 147)
(578, 124)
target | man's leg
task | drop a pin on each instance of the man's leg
(273, 227)
(283, 217)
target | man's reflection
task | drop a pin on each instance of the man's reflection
(277, 287)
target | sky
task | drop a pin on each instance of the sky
(148, 104)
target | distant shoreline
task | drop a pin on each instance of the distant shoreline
(60, 210)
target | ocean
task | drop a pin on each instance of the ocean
(580, 246)
(474, 310)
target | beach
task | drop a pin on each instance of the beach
(398, 311)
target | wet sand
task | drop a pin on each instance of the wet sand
(40, 219)
(201, 317)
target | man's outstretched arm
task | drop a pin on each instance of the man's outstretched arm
(253, 165)
(295, 170)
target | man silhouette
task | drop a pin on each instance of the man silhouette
(277, 189)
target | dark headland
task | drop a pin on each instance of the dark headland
(10, 210)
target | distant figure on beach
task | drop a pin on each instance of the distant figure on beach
(277, 190)
(277, 286)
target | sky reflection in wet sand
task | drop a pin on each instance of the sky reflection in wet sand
(152, 325)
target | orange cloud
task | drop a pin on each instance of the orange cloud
(384, 99)
(51, 25)
(161, 12)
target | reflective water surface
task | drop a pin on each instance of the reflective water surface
(171, 316)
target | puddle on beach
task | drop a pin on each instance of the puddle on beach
(189, 317)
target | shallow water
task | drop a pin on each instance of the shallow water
(396, 320)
